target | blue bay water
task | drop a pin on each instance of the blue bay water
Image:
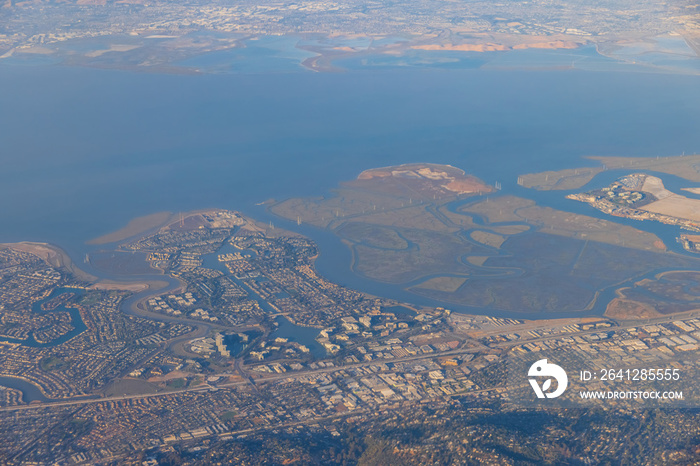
(84, 151)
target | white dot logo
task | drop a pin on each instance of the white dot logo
(543, 369)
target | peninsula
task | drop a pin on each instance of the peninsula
(644, 197)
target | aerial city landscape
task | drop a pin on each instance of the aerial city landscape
(349, 232)
(196, 37)
(241, 338)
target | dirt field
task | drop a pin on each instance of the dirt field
(134, 227)
(676, 206)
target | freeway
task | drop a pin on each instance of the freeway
(262, 379)
(247, 381)
(55, 404)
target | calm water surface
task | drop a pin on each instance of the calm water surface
(84, 151)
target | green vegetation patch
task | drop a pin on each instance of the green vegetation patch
(53, 363)
(90, 298)
(177, 383)
(228, 415)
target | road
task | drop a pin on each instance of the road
(264, 378)
(200, 388)
(248, 380)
